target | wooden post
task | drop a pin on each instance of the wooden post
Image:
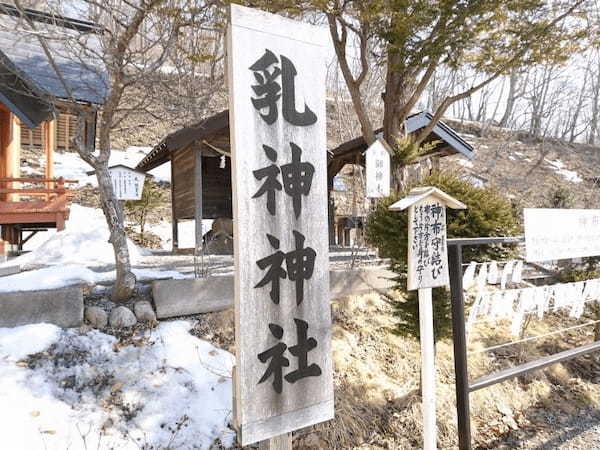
(175, 231)
(427, 368)
(49, 143)
(13, 155)
(198, 213)
(281, 442)
(427, 211)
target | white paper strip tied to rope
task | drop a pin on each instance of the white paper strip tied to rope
(579, 298)
(482, 277)
(517, 275)
(506, 271)
(469, 275)
(475, 310)
(493, 273)
(526, 304)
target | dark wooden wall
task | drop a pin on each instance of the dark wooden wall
(216, 186)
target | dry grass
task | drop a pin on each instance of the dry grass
(378, 404)
(377, 383)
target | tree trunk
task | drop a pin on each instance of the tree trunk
(511, 100)
(125, 282)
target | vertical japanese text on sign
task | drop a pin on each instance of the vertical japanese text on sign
(283, 324)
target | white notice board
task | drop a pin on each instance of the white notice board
(561, 233)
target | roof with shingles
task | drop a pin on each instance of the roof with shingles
(74, 44)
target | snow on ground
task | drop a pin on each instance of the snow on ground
(84, 241)
(465, 163)
(69, 254)
(559, 168)
(186, 231)
(59, 276)
(163, 389)
(71, 166)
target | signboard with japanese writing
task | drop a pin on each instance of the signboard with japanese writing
(378, 170)
(561, 233)
(276, 74)
(128, 183)
(427, 250)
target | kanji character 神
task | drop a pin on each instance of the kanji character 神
(299, 264)
(275, 272)
(297, 179)
(271, 184)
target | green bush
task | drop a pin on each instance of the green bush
(488, 214)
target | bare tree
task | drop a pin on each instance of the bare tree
(138, 41)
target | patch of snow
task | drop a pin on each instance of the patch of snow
(17, 343)
(518, 154)
(86, 392)
(511, 157)
(60, 276)
(84, 242)
(186, 232)
(569, 175)
(70, 166)
(465, 163)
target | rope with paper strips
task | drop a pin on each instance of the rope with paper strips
(516, 304)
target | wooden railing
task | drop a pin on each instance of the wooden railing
(11, 190)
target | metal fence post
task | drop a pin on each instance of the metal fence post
(460, 347)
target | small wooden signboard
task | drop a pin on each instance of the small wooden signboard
(427, 268)
(378, 169)
(128, 183)
(284, 374)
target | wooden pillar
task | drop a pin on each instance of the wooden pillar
(331, 210)
(281, 442)
(198, 213)
(175, 231)
(49, 144)
(12, 161)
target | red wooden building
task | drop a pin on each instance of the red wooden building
(36, 112)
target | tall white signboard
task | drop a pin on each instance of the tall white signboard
(427, 268)
(283, 375)
(561, 233)
(378, 170)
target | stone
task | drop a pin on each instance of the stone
(62, 307)
(203, 295)
(121, 317)
(9, 270)
(144, 311)
(96, 316)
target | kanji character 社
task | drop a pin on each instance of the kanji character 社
(276, 360)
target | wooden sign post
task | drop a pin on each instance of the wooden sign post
(427, 268)
(378, 169)
(283, 375)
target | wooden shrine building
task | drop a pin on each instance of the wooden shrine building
(200, 163)
(37, 113)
